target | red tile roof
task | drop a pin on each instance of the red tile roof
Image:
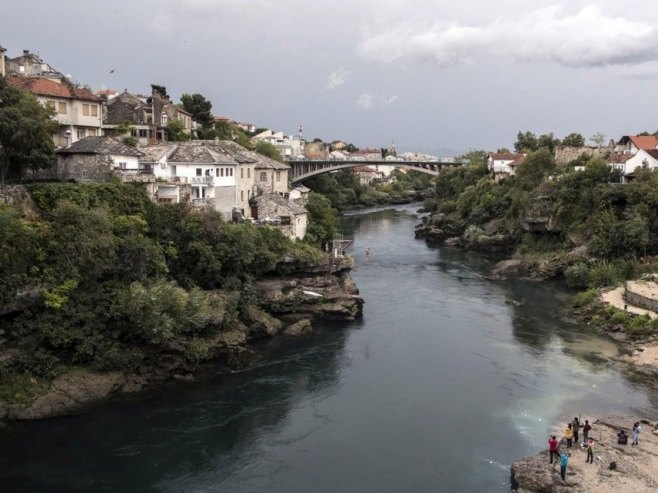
(45, 87)
(645, 142)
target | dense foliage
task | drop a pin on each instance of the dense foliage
(26, 130)
(584, 201)
(118, 280)
(344, 191)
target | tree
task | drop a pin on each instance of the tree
(526, 142)
(548, 141)
(26, 130)
(322, 220)
(267, 149)
(125, 131)
(574, 140)
(176, 131)
(199, 107)
(161, 90)
(535, 168)
(598, 138)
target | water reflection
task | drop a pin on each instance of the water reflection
(180, 432)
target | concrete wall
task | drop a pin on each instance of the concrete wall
(641, 300)
(244, 187)
(225, 200)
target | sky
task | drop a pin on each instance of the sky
(439, 76)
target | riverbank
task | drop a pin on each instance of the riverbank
(286, 306)
(635, 468)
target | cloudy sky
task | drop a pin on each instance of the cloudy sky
(432, 75)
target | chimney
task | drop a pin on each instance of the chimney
(2, 61)
(26, 52)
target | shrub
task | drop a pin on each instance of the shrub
(586, 297)
(577, 275)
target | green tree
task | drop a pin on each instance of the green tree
(322, 220)
(125, 131)
(537, 166)
(526, 142)
(26, 133)
(176, 131)
(574, 140)
(200, 109)
(548, 141)
(267, 149)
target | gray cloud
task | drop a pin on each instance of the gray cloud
(365, 101)
(337, 78)
(586, 38)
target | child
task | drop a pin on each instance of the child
(636, 434)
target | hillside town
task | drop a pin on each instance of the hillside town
(107, 134)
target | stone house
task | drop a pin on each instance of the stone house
(126, 107)
(277, 211)
(31, 65)
(98, 159)
(3, 69)
(163, 111)
(77, 110)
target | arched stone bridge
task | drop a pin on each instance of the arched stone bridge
(303, 169)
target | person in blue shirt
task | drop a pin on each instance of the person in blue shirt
(564, 460)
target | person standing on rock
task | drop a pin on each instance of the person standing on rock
(590, 451)
(564, 460)
(586, 430)
(552, 448)
(568, 435)
(575, 426)
(636, 434)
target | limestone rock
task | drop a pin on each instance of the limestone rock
(301, 327)
(68, 393)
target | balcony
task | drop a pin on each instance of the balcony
(201, 180)
(201, 202)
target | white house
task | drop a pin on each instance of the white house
(628, 163)
(502, 164)
(290, 146)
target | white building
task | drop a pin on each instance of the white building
(502, 164)
(290, 146)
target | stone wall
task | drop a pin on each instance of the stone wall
(85, 168)
(13, 194)
(565, 154)
(638, 295)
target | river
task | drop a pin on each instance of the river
(439, 387)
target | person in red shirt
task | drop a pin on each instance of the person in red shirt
(552, 448)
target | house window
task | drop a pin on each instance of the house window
(221, 170)
(263, 176)
(278, 176)
(51, 105)
(81, 133)
(94, 110)
(143, 132)
(231, 170)
(61, 108)
(85, 110)
(241, 194)
(91, 132)
(248, 194)
(248, 172)
(199, 172)
(241, 172)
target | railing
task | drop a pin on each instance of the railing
(201, 202)
(201, 179)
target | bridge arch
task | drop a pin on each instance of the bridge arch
(301, 170)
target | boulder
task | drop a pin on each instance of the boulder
(301, 327)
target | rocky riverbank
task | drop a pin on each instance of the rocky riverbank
(285, 306)
(616, 468)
